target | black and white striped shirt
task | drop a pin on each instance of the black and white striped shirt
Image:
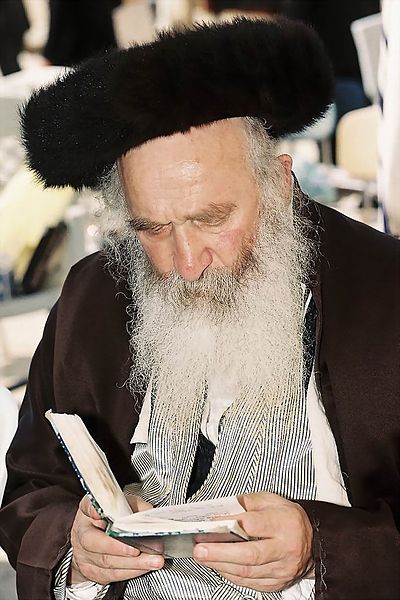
(268, 455)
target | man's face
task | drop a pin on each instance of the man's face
(193, 199)
(231, 258)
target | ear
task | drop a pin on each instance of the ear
(287, 163)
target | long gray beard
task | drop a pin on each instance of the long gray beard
(244, 324)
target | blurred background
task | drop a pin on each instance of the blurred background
(349, 159)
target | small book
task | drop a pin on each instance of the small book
(167, 530)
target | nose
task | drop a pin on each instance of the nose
(191, 255)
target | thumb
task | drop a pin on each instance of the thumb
(259, 500)
(88, 509)
(137, 503)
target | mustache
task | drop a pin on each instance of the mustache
(217, 286)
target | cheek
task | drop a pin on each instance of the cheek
(229, 244)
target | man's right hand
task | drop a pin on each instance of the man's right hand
(100, 558)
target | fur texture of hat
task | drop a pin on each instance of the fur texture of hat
(75, 129)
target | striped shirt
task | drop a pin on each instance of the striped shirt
(278, 458)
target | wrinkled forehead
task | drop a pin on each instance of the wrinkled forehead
(214, 152)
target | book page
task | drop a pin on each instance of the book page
(168, 526)
(172, 530)
(91, 466)
(192, 512)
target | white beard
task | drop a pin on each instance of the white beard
(244, 324)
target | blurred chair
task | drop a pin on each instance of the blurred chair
(357, 151)
(367, 37)
(133, 23)
(8, 427)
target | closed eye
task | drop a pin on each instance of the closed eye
(155, 230)
(139, 224)
(215, 215)
(214, 222)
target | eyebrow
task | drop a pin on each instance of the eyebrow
(141, 224)
(214, 212)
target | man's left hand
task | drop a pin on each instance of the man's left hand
(279, 556)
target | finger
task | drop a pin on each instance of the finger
(288, 522)
(272, 570)
(95, 540)
(88, 510)
(261, 524)
(99, 524)
(279, 521)
(260, 500)
(253, 553)
(137, 503)
(106, 576)
(261, 585)
(143, 562)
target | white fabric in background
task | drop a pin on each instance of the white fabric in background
(389, 132)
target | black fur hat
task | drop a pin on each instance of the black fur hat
(75, 129)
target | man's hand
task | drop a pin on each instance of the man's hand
(100, 558)
(279, 556)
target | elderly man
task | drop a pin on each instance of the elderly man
(233, 338)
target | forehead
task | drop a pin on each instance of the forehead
(206, 164)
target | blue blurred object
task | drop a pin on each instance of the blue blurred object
(315, 181)
(350, 95)
(5, 278)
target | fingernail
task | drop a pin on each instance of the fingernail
(200, 552)
(155, 562)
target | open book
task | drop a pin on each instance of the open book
(168, 530)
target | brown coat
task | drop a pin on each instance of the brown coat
(83, 361)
